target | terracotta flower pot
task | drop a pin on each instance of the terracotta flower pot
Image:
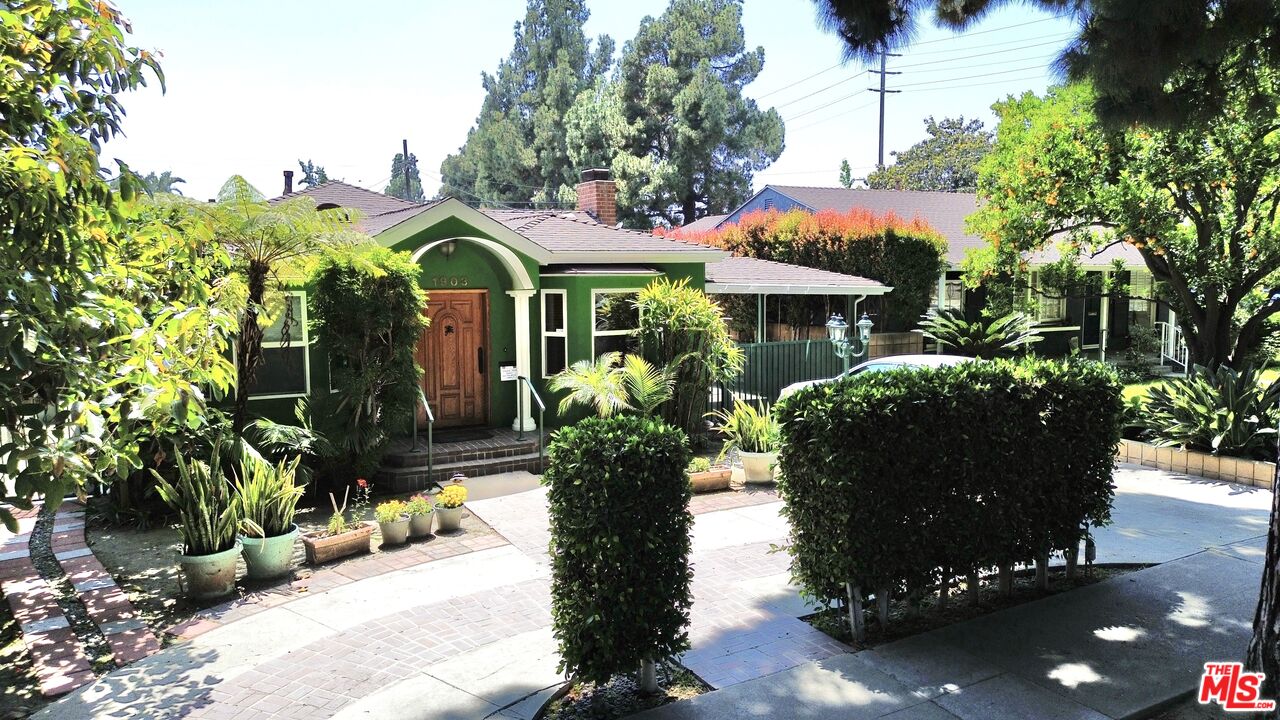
(322, 547)
(210, 576)
(710, 480)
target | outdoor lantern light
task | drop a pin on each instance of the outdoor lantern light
(838, 331)
(447, 248)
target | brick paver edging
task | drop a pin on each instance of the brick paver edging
(360, 568)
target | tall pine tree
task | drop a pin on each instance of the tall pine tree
(687, 142)
(516, 151)
(398, 187)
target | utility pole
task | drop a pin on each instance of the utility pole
(883, 73)
(404, 165)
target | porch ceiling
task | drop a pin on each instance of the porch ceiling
(752, 276)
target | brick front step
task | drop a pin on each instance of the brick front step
(449, 453)
(409, 479)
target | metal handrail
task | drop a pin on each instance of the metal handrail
(1172, 346)
(542, 409)
(431, 422)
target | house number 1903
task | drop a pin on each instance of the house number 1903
(450, 281)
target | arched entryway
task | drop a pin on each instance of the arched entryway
(457, 350)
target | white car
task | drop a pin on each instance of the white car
(891, 362)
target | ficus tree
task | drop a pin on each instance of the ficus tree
(271, 245)
(1199, 203)
(111, 321)
(946, 161)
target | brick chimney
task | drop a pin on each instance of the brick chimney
(288, 181)
(598, 196)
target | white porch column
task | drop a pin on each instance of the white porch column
(524, 351)
(1104, 327)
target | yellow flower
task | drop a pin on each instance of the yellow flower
(452, 496)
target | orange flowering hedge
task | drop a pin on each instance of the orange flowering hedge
(905, 254)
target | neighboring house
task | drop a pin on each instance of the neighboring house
(1093, 323)
(520, 293)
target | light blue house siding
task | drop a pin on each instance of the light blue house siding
(766, 199)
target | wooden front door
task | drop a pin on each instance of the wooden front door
(453, 353)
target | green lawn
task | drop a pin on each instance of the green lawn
(1140, 389)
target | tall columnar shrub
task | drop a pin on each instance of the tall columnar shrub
(683, 330)
(901, 479)
(619, 544)
(367, 313)
(906, 255)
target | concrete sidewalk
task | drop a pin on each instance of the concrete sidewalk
(1118, 649)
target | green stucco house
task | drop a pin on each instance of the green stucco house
(519, 294)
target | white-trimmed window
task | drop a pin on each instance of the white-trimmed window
(1048, 309)
(615, 319)
(286, 367)
(555, 332)
(952, 295)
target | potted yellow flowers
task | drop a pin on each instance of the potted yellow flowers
(393, 521)
(449, 507)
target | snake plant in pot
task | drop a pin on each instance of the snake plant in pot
(208, 517)
(754, 434)
(267, 497)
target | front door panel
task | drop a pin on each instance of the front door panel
(453, 354)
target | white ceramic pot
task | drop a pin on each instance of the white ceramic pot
(758, 467)
(448, 518)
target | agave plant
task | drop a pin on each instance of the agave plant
(612, 383)
(207, 511)
(267, 497)
(980, 338)
(1220, 410)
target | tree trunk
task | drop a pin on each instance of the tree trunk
(249, 344)
(1006, 579)
(648, 677)
(882, 607)
(1264, 649)
(1042, 571)
(1073, 559)
(944, 591)
(975, 590)
(857, 627)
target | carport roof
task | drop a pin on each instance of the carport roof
(752, 276)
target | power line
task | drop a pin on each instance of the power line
(970, 77)
(801, 80)
(833, 117)
(822, 107)
(815, 92)
(998, 29)
(973, 85)
(985, 54)
(1058, 36)
(1000, 63)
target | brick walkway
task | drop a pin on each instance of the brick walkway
(56, 652)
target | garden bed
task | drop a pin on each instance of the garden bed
(19, 686)
(621, 696)
(144, 564)
(1242, 471)
(904, 623)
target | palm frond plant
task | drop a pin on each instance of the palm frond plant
(647, 386)
(208, 515)
(747, 428)
(596, 384)
(267, 496)
(1220, 410)
(980, 338)
(269, 243)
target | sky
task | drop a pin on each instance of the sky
(252, 86)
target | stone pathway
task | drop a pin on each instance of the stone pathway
(469, 636)
(56, 653)
(1116, 649)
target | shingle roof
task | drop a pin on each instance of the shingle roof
(704, 224)
(342, 194)
(745, 273)
(944, 211)
(577, 232)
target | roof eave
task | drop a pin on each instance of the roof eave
(752, 288)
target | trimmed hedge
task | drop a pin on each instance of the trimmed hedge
(900, 479)
(620, 543)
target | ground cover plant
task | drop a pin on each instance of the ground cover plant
(955, 470)
(1221, 411)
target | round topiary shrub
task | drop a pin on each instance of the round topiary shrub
(620, 522)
